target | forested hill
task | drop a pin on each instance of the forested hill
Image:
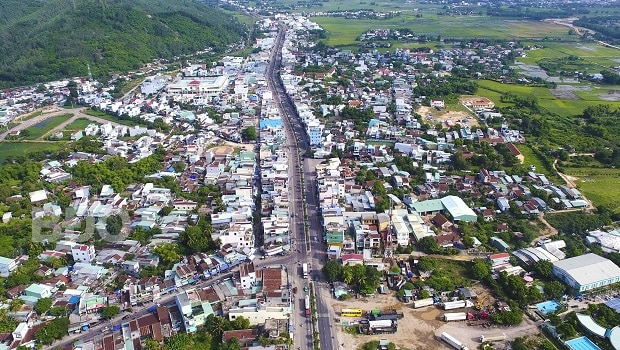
(42, 40)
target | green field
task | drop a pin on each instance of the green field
(79, 124)
(601, 186)
(530, 158)
(14, 149)
(563, 108)
(38, 130)
(344, 31)
(108, 117)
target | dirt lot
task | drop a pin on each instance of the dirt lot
(420, 328)
(444, 115)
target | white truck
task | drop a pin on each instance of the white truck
(423, 302)
(492, 337)
(380, 324)
(455, 316)
(455, 343)
(451, 305)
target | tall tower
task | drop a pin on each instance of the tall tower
(90, 74)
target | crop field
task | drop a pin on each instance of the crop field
(38, 130)
(344, 31)
(561, 107)
(601, 186)
(8, 148)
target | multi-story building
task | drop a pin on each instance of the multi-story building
(83, 253)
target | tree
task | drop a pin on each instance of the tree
(231, 344)
(249, 134)
(544, 268)
(59, 311)
(426, 263)
(114, 224)
(168, 254)
(151, 344)
(428, 245)
(424, 294)
(241, 323)
(109, 312)
(554, 289)
(332, 271)
(195, 239)
(55, 329)
(480, 269)
(43, 305)
(216, 325)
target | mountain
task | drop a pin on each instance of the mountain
(42, 40)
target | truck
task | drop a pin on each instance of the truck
(304, 269)
(450, 305)
(455, 343)
(455, 316)
(380, 324)
(423, 302)
(492, 337)
(307, 305)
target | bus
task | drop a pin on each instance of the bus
(307, 304)
(351, 312)
(304, 269)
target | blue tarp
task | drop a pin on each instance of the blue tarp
(74, 300)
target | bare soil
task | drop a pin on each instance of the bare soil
(442, 116)
(420, 328)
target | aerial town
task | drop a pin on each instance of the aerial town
(299, 197)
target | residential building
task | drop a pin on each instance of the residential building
(7, 266)
(83, 253)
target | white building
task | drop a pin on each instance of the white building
(83, 253)
(586, 272)
(247, 275)
(7, 266)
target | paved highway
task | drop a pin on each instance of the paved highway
(300, 193)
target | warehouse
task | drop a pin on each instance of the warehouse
(586, 272)
(458, 209)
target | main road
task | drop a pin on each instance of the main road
(304, 216)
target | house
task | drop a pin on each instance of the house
(500, 244)
(7, 266)
(438, 104)
(247, 276)
(83, 253)
(499, 258)
(352, 259)
(515, 152)
(246, 337)
(441, 222)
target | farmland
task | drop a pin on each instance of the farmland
(343, 32)
(42, 128)
(600, 185)
(16, 149)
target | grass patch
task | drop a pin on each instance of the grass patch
(531, 158)
(24, 148)
(600, 185)
(108, 117)
(38, 130)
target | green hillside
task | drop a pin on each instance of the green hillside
(44, 40)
